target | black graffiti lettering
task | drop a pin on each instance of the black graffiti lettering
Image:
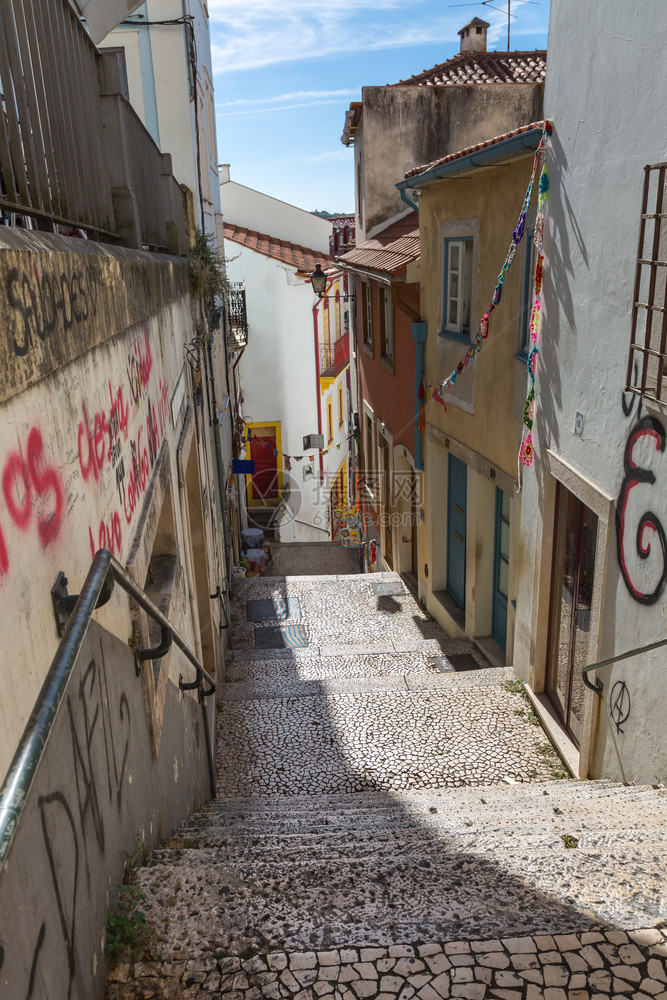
(83, 761)
(66, 903)
(35, 961)
(20, 350)
(48, 298)
(40, 300)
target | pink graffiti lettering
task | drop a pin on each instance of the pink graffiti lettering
(101, 444)
(32, 486)
(109, 536)
(138, 478)
(644, 571)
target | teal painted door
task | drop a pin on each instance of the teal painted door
(457, 492)
(501, 568)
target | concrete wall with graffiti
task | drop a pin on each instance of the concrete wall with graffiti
(94, 405)
(98, 789)
(601, 444)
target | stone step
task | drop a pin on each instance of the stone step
(220, 846)
(494, 808)
(304, 664)
(258, 690)
(441, 889)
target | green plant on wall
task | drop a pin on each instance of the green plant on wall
(127, 930)
(207, 269)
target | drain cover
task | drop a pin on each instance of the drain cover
(281, 637)
(276, 608)
(443, 664)
(463, 661)
(387, 589)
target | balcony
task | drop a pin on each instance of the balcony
(237, 335)
(334, 357)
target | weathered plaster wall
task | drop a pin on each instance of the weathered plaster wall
(482, 422)
(93, 394)
(483, 410)
(389, 391)
(599, 149)
(405, 127)
(99, 788)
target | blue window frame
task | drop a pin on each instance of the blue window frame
(457, 288)
(528, 295)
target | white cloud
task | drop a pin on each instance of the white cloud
(248, 34)
(310, 95)
(273, 110)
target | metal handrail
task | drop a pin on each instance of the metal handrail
(96, 591)
(599, 687)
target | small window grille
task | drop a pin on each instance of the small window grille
(647, 361)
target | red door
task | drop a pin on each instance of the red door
(265, 476)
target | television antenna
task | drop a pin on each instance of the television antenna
(510, 16)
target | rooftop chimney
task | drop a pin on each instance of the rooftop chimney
(223, 172)
(473, 35)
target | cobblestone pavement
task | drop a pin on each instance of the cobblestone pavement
(309, 559)
(389, 826)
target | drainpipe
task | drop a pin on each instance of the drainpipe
(419, 334)
(317, 386)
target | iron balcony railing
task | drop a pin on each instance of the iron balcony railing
(236, 314)
(96, 591)
(334, 357)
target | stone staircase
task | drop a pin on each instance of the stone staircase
(386, 829)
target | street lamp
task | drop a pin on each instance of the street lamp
(318, 280)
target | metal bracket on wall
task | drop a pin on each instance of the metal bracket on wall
(221, 596)
(64, 602)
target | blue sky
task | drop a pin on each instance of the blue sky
(285, 73)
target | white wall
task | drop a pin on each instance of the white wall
(245, 207)
(605, 89)
(161, 84)
(278, 368)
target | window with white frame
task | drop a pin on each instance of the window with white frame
(386, 323)
(458, 287)
(366, 315)
(370, 461)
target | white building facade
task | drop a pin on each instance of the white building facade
(294, 370)
(594, 503)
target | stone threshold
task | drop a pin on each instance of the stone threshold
(555, 730)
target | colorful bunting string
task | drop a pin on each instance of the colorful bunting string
(527, 448)
(517, 235)
(288, 459)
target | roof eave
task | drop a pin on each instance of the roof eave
(513, 146)
(368, 272)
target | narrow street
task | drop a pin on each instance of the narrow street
(391, 825)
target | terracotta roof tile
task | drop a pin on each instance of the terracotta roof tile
(473, 149)
(302, 258)
(390, 251)
(482, 67)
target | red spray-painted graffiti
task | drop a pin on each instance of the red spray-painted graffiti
(99, 439)
(101, 443)
(644, 569)
(33, 494)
